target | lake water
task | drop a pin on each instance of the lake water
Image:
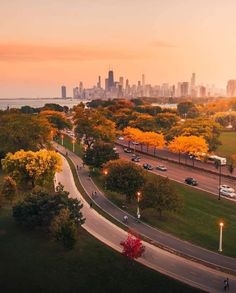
(36, 103)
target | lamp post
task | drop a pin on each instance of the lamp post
(138, 199)
(105, 173)
(221, 236)
(73, 145)
(62, 139)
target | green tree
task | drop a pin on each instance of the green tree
(9, 188)
(166, 121)
(99, 154)
(124, 177)
(160, 195)
(91, 126)
(39, 209)
(23, 131)
(58, 120)
(64, 229)
(187, 109)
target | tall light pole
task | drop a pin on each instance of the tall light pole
(221, 236)
(105, 173)
(73, 145)
(62, 139)
(138, 199)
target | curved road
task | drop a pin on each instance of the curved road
(167, 263)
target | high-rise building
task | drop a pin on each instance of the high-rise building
(193, 91)
(143, 80)
(231, 88)
(76, 93)
(63, 92)
(121, 82)
(184, 89)
(110, 80)
(99, 83)
(202, 91)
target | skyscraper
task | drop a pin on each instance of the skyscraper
(75, 93)
(110, 80)
(99, 84)
(121, 82)
(231, 88)
(63, 92)
(184, 89)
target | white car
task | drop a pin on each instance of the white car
(121, 138)
(227, 187)
(226, 192)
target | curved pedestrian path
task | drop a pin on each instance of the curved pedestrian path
(179, 268)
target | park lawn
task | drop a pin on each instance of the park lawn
(228, 147)
(198, 220)
(30, 262)
(67, 142)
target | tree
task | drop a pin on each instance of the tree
(58, 120)
(91, 126)
(64, 229)
(187, 109)
(193, 145)
(99, 154)
(144, 122)
(160, 195)
(9, 188)
(23, 131)
(124, 177)
(39, 209)
(132, 246)
(53, 107)
(32, 167)
(166, 121)
(204, 127)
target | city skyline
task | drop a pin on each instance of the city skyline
(44, 45)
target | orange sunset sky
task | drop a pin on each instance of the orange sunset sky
(44, 44)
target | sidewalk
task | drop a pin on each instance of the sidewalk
(159, 238)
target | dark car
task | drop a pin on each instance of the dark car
(126, 150)
(191, 181)
(161, 168)
(135, 159)
(147, 166)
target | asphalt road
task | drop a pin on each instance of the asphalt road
(167, 263)
(206, 181)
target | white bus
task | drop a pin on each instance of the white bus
(214, 158)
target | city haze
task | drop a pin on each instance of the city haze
(47, 44)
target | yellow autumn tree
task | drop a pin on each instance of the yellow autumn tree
(193, 145)
(36, 168)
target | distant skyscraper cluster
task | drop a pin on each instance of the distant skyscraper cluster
(122, 88)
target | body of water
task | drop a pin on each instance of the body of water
(172, 106)
(36, 103)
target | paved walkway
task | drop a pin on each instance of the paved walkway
(158, 259)
(162, 239)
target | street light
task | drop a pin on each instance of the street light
(62, 139)
(105, 173)
(73, 144)
(138, 199)
(221, 234)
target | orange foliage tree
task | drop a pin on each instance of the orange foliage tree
(193, 145)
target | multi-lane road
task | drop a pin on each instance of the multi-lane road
(206, 181)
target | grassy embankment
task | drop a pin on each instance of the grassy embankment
(197, 222)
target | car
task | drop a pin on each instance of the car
(227, 192)
(126, 150)
(191, 181)
(121, 138)
(135, 142)
(136, 156)
(161, 168)
(227, 187)
(135, 159)
(147, 166)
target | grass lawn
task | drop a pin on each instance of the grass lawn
(32, 263)
(197, 222)
(228, 147)
(67, 142)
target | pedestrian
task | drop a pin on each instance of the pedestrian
(92, 194)
(226, 284)
(95, 193)
(67, 154)
(138, 217)
(125, 219)
(91, 205)
(77, 167)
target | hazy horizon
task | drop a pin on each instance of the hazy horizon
(47, 44)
